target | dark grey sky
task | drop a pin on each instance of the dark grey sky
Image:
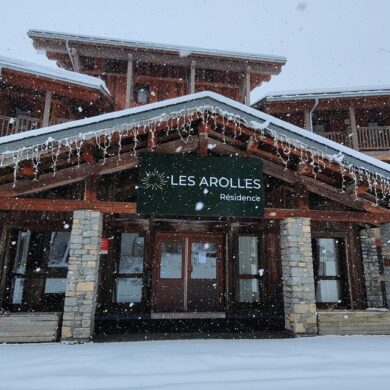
(328, 43)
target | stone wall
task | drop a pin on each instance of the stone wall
(298, 279)
(385, 238)
(371, 268)
(82, 280)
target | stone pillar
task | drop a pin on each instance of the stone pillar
(371, 268)
(82, 280)
(298, 280)
(385, 238)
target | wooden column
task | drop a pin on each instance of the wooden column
(76, 60)
(203, 134)
(352, 119)
(46, 109)
(192, 77)
(129, 81)
(90, 188)
(307, 121)
(247, 82)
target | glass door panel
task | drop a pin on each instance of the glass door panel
(204, 260)
(205, 287)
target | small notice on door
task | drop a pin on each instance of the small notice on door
(202, 258)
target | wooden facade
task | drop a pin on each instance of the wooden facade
(101, 174)
(137, 73)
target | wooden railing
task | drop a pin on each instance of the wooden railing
(374, 138)
(19, 124)
(9, 125)
(340, 137)
(369, 138)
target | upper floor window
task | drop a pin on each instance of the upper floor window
(142, 94)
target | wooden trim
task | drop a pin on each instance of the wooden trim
(129, 81)
(46, 109)
(64, 205)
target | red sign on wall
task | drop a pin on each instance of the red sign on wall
(104, 245)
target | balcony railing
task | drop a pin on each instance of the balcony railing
(9, 125)
(340, 137)
(374, 138)
(369, 138)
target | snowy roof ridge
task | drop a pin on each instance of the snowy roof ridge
(343, 92)
(14, 143)
(53, 73)
(155, 46)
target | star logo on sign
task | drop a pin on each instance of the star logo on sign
(154, 180)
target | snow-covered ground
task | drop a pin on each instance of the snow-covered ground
(358, 362)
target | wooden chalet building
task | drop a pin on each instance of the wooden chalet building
(179, 211)
(194, 209)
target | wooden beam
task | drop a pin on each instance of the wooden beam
(352, 119)
(203, 135)
(192, 77)
(329, 216)
(75, 58)
(129, 81)
(69, 175)
(66, 205)
(248, 86)
(46, 109)
(260, 67)
(90, 188)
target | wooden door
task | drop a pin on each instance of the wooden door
(188, 273)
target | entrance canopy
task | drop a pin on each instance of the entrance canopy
(206, 123)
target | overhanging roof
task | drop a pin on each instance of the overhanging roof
(87, 128)
(325, 93)
(52, 73)
(180, 50)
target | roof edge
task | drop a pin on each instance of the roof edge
(32, 33)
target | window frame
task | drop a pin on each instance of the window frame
(343, 271)
(37, 257)
(126, 275)
(260, 265)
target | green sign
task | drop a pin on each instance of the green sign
(194, 185)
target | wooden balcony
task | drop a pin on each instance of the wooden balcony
(370, 139)
(374, 138)
(340, 137)
(9, 125)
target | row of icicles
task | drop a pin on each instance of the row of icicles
(181, 122)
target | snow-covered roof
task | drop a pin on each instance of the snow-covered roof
(53, 73)
(325, 93)
(181, 50)
(88, 128)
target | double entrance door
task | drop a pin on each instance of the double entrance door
(188, 273)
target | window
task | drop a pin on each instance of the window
(130, 268)
(329, 272)
(142, 94)
(249, 272)
(39, 268)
